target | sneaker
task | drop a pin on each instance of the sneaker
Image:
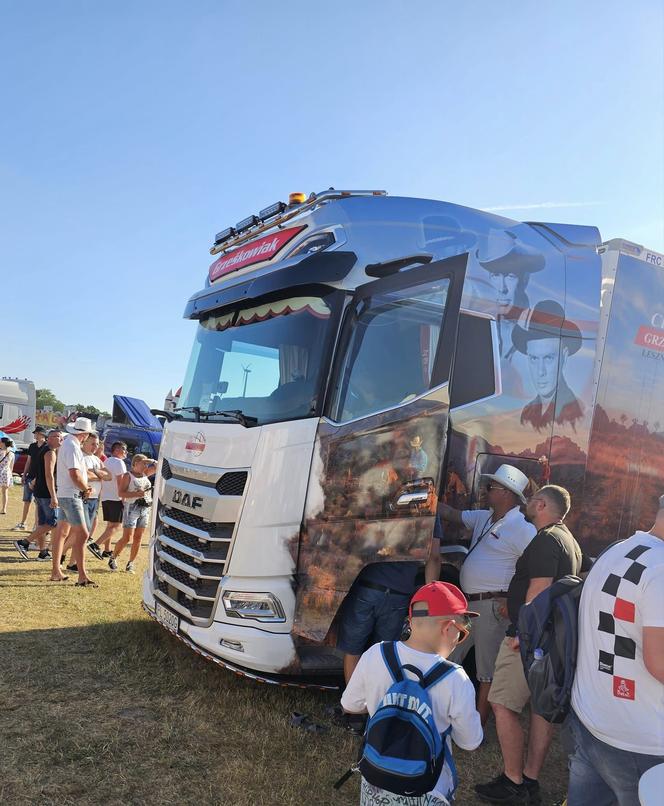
(130, 568)
(112, 564)
(72, 567)
(106, 554)
(533, 788)
(94, 548)
(20, 527)
(44, 556)
(502, 790)
(22, 547)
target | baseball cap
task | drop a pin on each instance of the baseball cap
(443, 599)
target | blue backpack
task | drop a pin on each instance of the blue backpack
(403, 751)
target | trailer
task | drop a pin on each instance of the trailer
(17, 410)
(357, 359)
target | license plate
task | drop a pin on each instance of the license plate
(166, 617)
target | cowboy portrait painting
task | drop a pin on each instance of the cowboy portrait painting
(547, 340)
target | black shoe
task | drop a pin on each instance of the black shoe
(72, 567)
(94, 548)
(22, 547)
(106, 554)
(534, 794)
(503, 790)
(44, 556)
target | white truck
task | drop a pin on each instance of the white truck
(358, 357)
(18, 410)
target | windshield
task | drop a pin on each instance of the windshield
(264, 359)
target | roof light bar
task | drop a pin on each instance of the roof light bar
(272, 210)
(224, 235)
(249, 221)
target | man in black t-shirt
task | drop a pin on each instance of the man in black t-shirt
(45, 497)
(29, 474)
(552, 553)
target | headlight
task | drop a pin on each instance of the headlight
(258, 606)
(314, 243)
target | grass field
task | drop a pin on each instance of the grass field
(99, 705)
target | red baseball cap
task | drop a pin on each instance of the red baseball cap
(443, 599)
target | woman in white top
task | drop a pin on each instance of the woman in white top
(135, 491)
(6, 471)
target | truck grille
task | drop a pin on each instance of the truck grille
(189, 560)
(232, 483)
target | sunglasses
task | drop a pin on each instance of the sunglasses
(464, 625)
(490, 487)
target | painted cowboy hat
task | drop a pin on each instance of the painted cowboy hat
(511, 478)
(416, 442)
(545, 321)
(81, 425)
(503, 253)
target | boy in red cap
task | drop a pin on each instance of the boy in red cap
(439, 620)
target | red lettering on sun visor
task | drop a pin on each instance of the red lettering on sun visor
(650, 337)
(253, 252)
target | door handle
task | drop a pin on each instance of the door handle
(413, 497)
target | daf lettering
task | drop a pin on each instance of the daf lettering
(186, 500)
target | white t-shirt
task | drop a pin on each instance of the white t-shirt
(614, 695)
(453, 699)
(70, 456)
(490, 567)
(93, 462)
(109, 489)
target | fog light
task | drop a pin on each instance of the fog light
(257, 606)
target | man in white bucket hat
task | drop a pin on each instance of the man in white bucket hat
(73, 489)
(499, 536)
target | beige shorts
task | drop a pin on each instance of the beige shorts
(509, 687)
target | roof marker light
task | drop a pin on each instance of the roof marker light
(247, 222)
(272, 210)
(296, 198)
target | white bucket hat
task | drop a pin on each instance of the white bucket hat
(81, 425)
(511, 478)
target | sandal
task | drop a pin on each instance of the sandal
(60, 579)
(87, 583)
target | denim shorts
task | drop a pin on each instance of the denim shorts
(368, 616)
(46, 515)
(73, 511)
(90, 509)
(135, 517)
(27, 492)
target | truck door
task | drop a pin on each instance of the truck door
(380, 447)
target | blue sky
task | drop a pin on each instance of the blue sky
(131, 132)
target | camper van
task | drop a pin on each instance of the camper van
(17, 410)
(358, 358)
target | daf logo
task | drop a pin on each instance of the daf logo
(186, 500)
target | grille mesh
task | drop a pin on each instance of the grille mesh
(166, 471)
(232, 483)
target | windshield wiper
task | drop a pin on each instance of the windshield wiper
(235, 414)
(195, 409)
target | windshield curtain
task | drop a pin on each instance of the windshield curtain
(264, 359)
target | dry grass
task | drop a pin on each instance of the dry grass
(98, 705)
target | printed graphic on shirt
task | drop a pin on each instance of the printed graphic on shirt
(624, 648)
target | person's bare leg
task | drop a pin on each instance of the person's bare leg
(539, 739)
(59, 538)
(350, 662)
(483, 706)
(510, 736)
(106, 536)
(93, 527)
(136, 544)
(79, 538)
(26, 512)
(38, 536)
(4, 494)
(122, 542)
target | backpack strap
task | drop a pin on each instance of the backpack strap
(389, 650)
(437, 673)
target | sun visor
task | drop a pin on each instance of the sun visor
(325, 267)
